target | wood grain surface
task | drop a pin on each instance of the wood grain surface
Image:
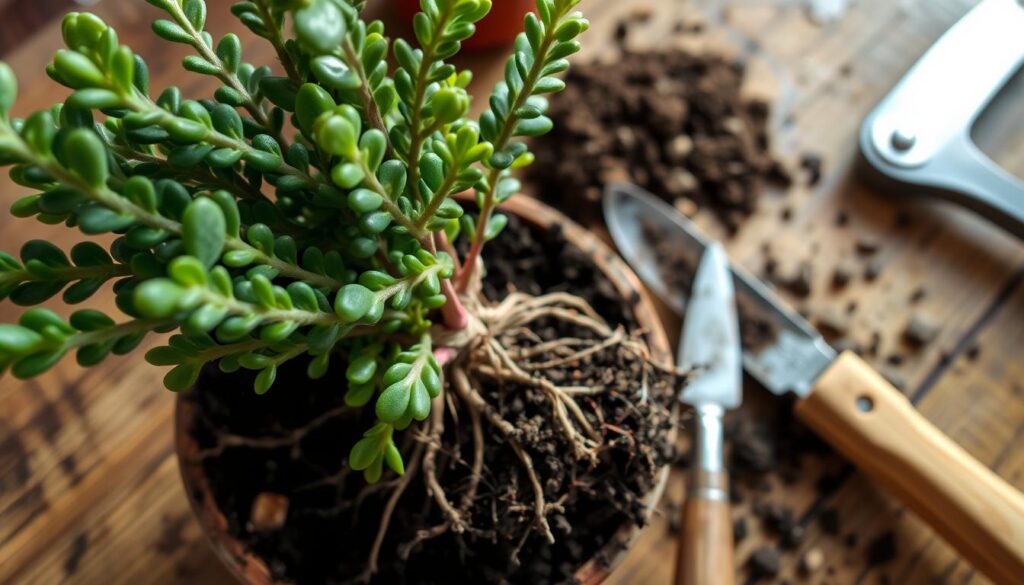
(89, 489)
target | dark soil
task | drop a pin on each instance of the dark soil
(670, 121)
(327, 534)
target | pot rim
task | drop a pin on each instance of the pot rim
(251, 569)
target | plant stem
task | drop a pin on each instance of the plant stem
(114, 332)
(69, 273)
(276, 41)
(415, 109)
(114, 201)
(227, 77)
(373, 113)
(508, 127)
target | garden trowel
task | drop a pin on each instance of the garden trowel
(847, 403)
(709, 347)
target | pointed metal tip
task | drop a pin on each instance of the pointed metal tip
(713, 271)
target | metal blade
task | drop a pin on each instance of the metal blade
(791, 363)
(710, 340)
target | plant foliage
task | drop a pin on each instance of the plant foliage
(302, 212)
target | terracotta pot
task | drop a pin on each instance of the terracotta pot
(251, 570)
(498, 28)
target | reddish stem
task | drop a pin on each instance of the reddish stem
(454, 312)
(444, 355)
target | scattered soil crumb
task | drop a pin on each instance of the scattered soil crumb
(812, 561)
(882, 549)
(921, 330)
(765, 562)
(269, 512)
(811, 163)
(841, 274)
(79, 546)
(873, 269)
(833, 323)
(918, 295)
(867, 245)
(740, 529)
(973, 351)
(829, 520)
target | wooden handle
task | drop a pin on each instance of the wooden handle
(872, 424)
(705, 541)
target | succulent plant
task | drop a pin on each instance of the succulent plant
(309, 212)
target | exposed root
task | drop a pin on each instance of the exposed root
(291, 439)
(430, 469)
(385, 519)
(499, 346)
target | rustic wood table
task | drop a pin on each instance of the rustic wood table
(89, 487)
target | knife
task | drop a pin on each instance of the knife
(848, 404)
(709, 346)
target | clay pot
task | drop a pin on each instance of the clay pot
(251, 570)
(499, 28)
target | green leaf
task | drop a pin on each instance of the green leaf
(320, 26)
(419, 402)
(265, 379)
(312, 101)
(449, 104)
(8, 89)
(170, 31)
(353, 301)
(229, 49)
(363, 453)
(76, 70)
(393, 401)
(361, 369)
(359, 395)
(364, 200)
(203, 230)
(158, 297)
(86, 155)
(17, 340)
(334, 73)
(393, 458)
(33, 365)
(182, 377)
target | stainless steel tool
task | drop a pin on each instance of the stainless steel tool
(709, 345)
(919, 135)
(849, 404)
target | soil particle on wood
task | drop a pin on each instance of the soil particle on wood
(812, 561)
(671, 121)
(874, 269)
(765, 562)
(830, 522)
(882, 549)
(811, 164)
(332, 516)
(921, 330)
(740, 530)
(842, 273)
(79, 546)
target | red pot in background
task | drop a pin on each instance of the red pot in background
(498, 28)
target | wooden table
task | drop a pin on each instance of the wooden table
(89, 487)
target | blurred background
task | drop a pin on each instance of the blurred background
(743, 115)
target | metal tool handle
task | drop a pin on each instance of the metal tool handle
(919, 135)
(706, 539)
(864, 417)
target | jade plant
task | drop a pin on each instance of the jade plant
(307, 210)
